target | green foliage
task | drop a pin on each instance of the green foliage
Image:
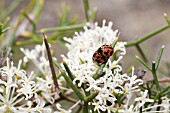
(3, 30)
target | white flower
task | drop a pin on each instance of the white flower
(27, 109)
(27, 86)
(40, 107)
(38, 58)
(8, 98)
(16, 88)
(44, 84)
(131, 85)
(143, 99)
(98, 107)
(127, 109)
(165, 105)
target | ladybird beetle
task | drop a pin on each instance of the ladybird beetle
(102, 54)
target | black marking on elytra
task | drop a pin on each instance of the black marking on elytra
(106, 53)
(99, 50)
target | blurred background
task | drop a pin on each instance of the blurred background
(133, 19)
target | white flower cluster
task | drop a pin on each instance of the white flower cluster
(17, 90)
(23, 92)
(110, 85)
(82, 47)
(44, 83)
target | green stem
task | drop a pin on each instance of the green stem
(146, 65)
(1, 29)
(114, 56)
(6, 22)
(115, 42)
(68, 70)
(167, 18)
(86, 8)
(57, 64)
(97, 74)
(119, 100)
(149, 90)
(91, 97)
(30, 20)
(70, 83)
(93, 16)
(62, 28)
(92, 108)
(159, 57)
(84, 86)
(22, 43)
(159, 102)
(37, 10)
(155, 76)
(147, 36)
(151, 86)
(141, 110)
(117, 111)
(165, 91)
(5, 29)
(85, 108)
(155, 99)
(141, 52)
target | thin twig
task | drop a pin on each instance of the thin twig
(62, 97)
(65, 97)
(147, 36)
(141, 52)
(79, 109)
(72, 107)
(161, 80)
(52, 66)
